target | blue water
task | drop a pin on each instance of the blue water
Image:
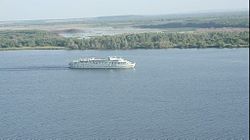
(171, 94)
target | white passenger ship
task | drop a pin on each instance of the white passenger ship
(109, 62)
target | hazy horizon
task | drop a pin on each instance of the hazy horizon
(61, 9)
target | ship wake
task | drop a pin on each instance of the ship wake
(34, 68)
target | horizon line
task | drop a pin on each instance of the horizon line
(121, 15)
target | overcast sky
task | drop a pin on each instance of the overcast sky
(57, 9)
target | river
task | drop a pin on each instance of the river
(171, 94)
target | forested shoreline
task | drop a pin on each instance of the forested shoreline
(212, 39)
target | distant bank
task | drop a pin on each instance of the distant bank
(207, 30)
(64, 48)
(44, 40)
(34, 48)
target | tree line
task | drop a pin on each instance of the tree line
(210, 39)
(195, 25)
(236, 21)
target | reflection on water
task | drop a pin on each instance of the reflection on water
(34, 68)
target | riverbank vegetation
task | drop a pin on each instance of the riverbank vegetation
(168, 40)
(196, 39)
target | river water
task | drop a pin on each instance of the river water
(171, 94)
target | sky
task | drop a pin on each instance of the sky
(60, 9)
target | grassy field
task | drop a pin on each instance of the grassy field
(222, 19)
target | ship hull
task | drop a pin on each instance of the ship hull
(99, 66)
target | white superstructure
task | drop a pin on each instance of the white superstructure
(109, 62)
